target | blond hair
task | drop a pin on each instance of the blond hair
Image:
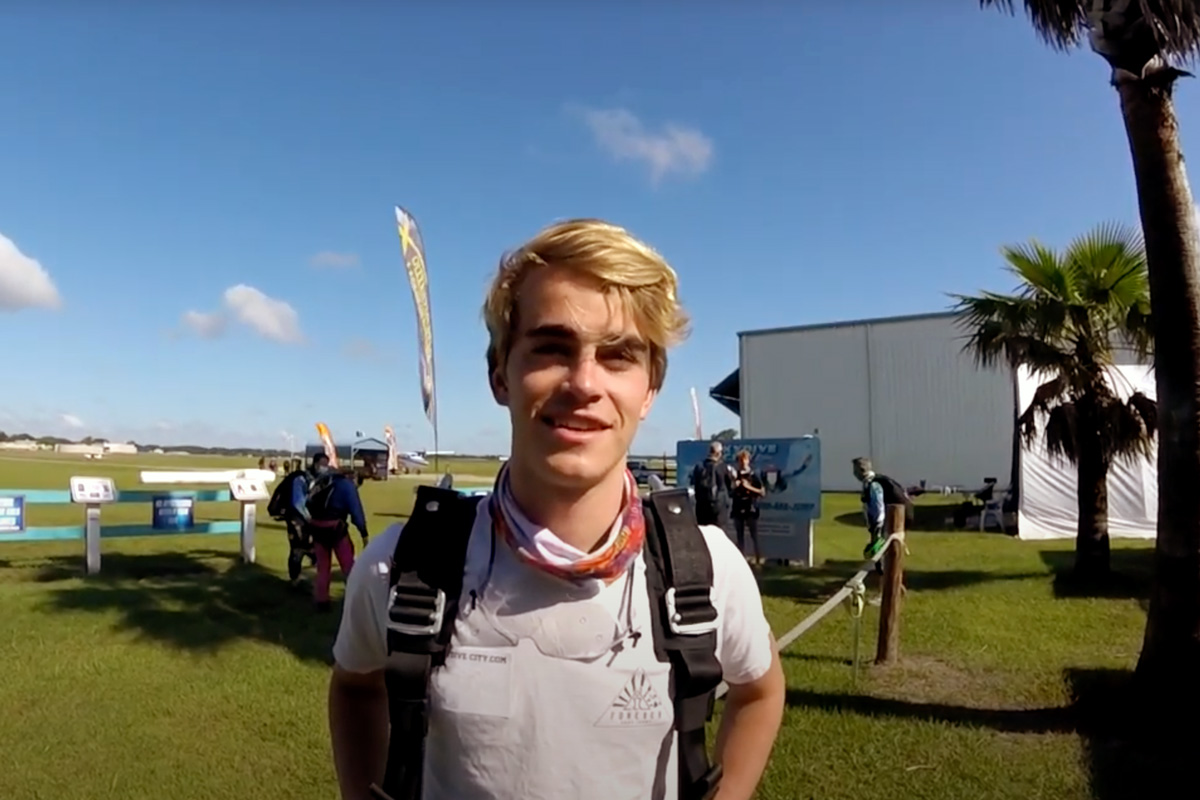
(631, 270)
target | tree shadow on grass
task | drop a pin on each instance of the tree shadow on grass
(200, 600)
(928, 517)
(1130, 749)
(821, 658)
(818, 583)
(1020, 720)
(1132, 570)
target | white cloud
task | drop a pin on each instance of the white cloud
(71, 421)
(330, 258)
(206, 326)
(270, 317)
(24, 283)
(672, 149)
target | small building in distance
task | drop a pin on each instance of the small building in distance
(367, 456)
(96, 448)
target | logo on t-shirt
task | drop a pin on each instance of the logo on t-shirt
(637, 705)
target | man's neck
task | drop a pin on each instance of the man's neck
(580, 518)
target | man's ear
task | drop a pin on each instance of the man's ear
(648, 403)
(499, 387)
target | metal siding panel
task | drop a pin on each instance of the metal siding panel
(936, 416)
(745, 387)
(795, 382)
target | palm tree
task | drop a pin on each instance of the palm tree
(1072, 311)
(1138, 39)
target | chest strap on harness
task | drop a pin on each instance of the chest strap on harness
(679, 578)
(425, 582)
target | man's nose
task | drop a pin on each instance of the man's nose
(583, 376)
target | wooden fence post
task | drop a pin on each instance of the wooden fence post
(888, 648)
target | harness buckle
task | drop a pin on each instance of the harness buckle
(416, 610)
(709, 783)
(690, 613)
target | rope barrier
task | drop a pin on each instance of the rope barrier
(853, 587)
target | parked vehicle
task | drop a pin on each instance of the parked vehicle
(642, 471)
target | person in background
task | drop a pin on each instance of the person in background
(712, 484)
(747, 489)
(873, 504)
(329, 497)
(300, 543)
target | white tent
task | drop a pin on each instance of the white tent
(1048, 506)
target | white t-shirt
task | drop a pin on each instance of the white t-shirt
(551, 689)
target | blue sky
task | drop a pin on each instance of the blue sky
(794, 165)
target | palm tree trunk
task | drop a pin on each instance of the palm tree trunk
(1091, 537)
(1170, 656)
(1014, 470)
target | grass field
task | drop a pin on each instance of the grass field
(180, 673)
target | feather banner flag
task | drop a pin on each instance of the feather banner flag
(696, 414)
(412, 248)
(327, 441)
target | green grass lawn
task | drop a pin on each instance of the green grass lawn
(180, 673)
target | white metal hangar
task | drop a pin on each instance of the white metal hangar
(902, 391)
(898, 390)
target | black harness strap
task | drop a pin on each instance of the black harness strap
(425, 584)
(679, 579)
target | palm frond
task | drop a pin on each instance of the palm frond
(1039, 269)
(1062, 433)
(1046, 394)
(1043, 357)
(1128, 428)
(1147, 410)
(1136, 332)
(1063, 24)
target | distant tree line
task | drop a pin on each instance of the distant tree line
(144, 448)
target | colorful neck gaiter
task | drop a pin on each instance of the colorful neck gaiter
(542, 549)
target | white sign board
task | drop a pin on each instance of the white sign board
(206, 476)
(93, 490)
(248, 490)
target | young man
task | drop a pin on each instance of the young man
(552, 689)
(873, 504)
(747, 491)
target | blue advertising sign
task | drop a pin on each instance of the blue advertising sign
(12, 514)
(173, 513)
(789, 470)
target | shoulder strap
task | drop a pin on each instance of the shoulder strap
(679, 575)
(425, 582)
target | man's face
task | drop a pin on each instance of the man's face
(859, 472)
(576, 382)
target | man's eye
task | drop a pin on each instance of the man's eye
(551, 349)
(625, 356)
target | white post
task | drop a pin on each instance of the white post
(91, 536)
(248, 491)
(249, 516)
